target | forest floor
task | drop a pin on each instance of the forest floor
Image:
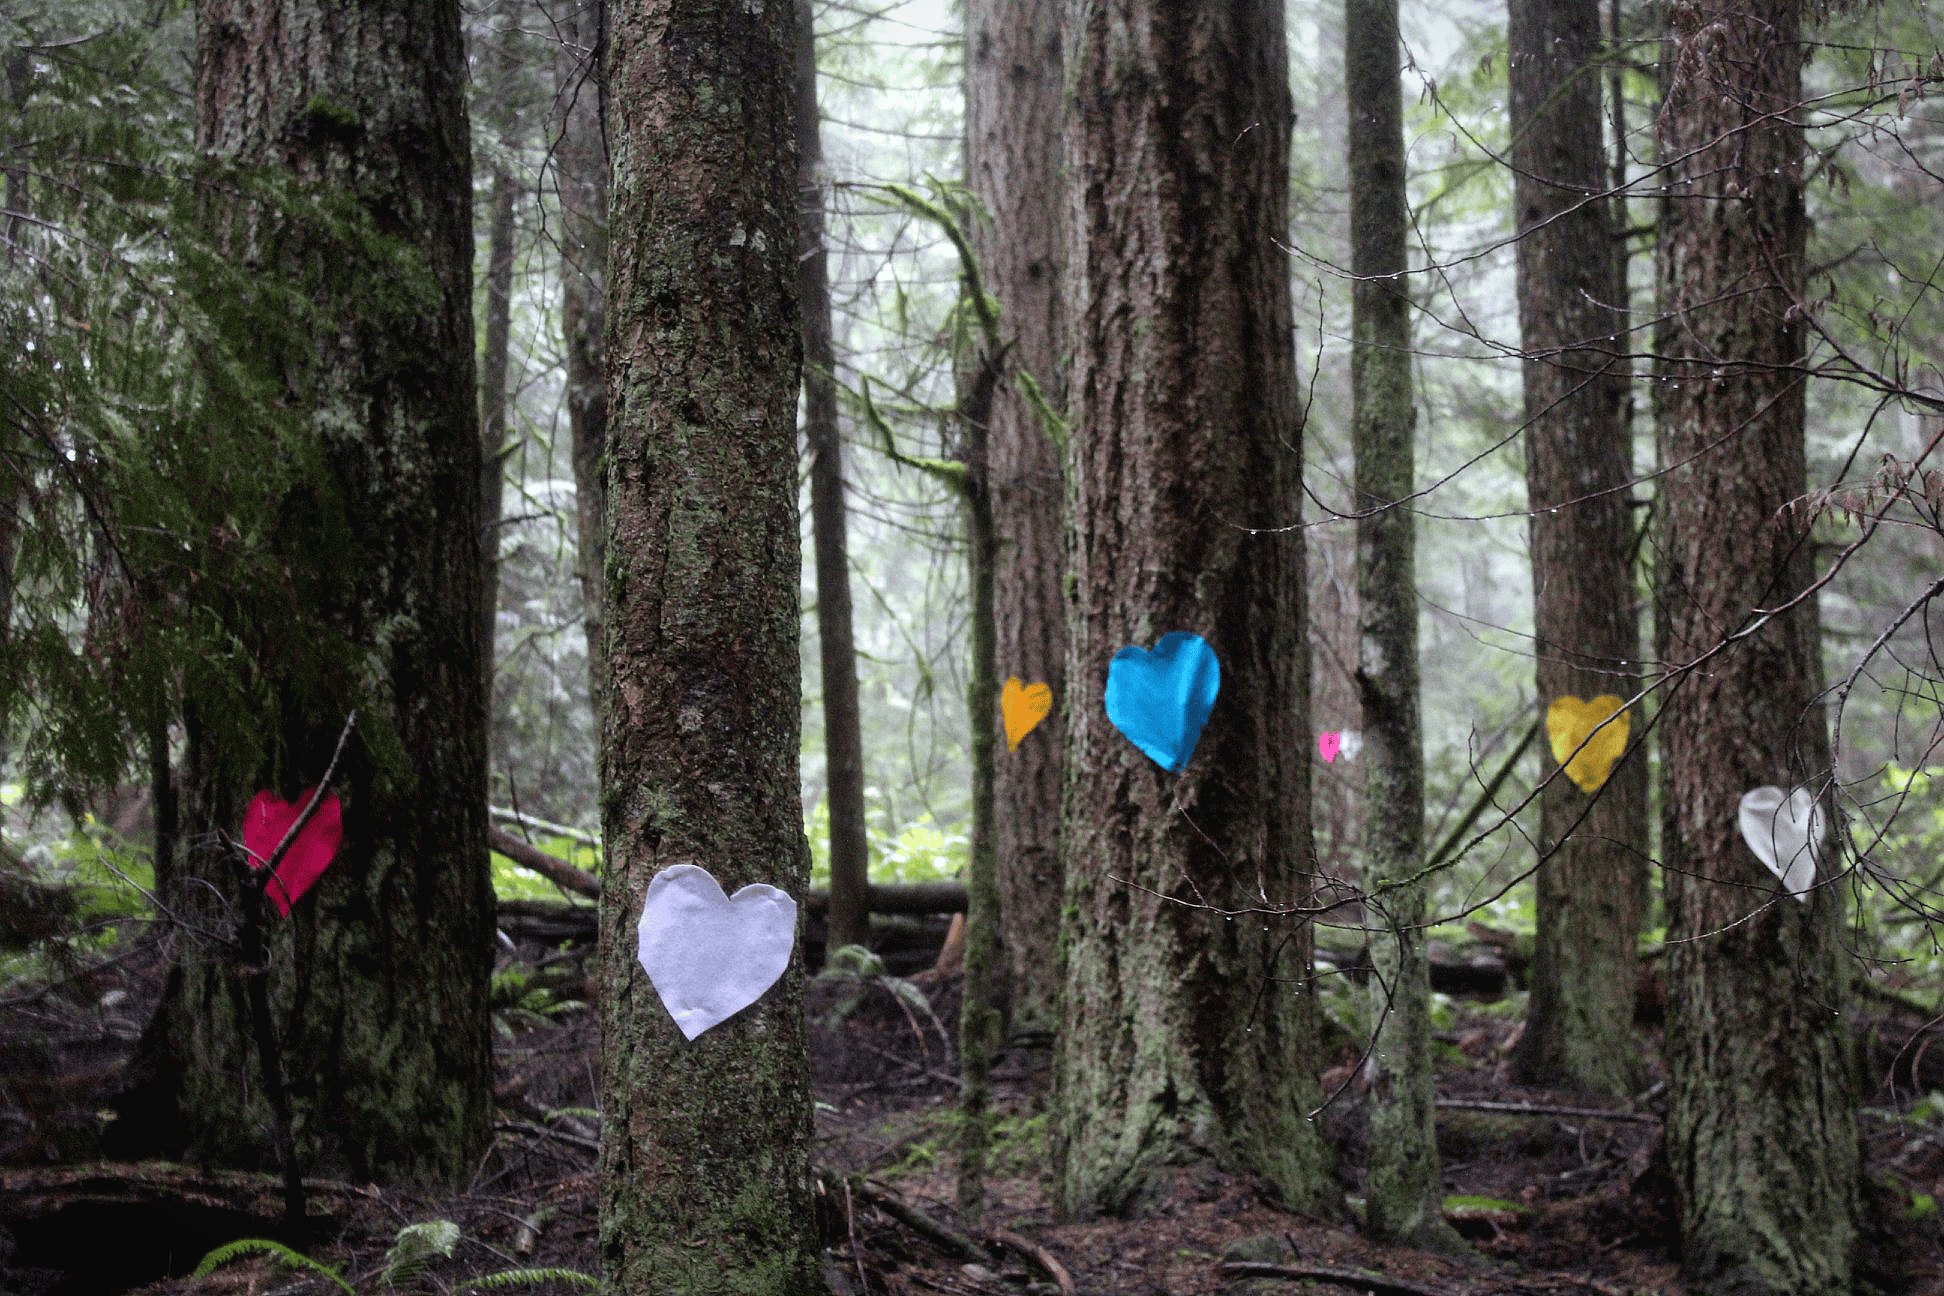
(1553, 1194)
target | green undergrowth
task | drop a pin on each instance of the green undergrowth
(111, 878)
(1018, 1146)
(512, 882)
(413, 1253)
(918, 850)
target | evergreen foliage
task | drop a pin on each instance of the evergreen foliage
(164, 511)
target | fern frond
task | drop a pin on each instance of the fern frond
(229, 1251)
(415, 1247)
(526, 1277)
(578, 1113)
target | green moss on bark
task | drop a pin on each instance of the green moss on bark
(705, 1165)
(379, 975)
(1187, 1023)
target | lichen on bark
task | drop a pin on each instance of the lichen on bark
(705, 1165)
(1187, 1033)
(1761, 1113)
(379, 977)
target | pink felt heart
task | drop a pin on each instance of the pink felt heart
(264, 825)
(1328, 744)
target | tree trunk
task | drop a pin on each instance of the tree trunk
(492, 414)
(580, 159)
(379, 976)
(1592, 876)
(1761, 1124)
(1013, 71)
(705, 1167)
(982, 1030)
(18, 69)
(1402, 1190)
(1186, 1034)
(850, 852)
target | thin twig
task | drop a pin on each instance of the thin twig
(536, 1131)
(269, 865)
(917, 1221)
(1360, 1280)
(1539, 1109)
(1038, 1254)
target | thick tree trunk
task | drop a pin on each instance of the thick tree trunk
(1403, 1191)
(379, 976)
(1013, 70)
(580, 159)
(492, 414)
(1185, 1034)
(705, 1167)
(1592, 877)
(1761, 1125)
(850, 851)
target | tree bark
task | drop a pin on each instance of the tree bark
(18, 69)
(1013, 116)
(982, 1029)
(1402, 1188)
(705, 1169)
(581, 163)
(379, 976)
(850, 851)
(1592, 877)
(1761, 1125)
(492, 414)
(1185, 1034)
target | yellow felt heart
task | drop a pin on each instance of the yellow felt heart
(1569, 721)
(1023, 706)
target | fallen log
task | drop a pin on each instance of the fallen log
(551, 867)
(157, 1217)
(914, 898)
(918, 899)
(1357, 1280)
(908, 944)
(1474, 970)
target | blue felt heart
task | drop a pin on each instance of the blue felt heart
(1161, 699)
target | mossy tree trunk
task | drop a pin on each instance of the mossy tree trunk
(1013, 121)
(379, 976)
(1761, 1120)
(1592, 878)
(968, 475)
(580, 160)
(982, 1031)
(705, 1165)
(850, 851)
(1185, 1033)
(1403, 1192)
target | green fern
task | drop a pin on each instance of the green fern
(415, 1247)
(525, 1277)
(229, 1251)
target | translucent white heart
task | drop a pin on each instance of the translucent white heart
(1785, 831)
(710, 955)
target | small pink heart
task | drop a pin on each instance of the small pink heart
(1328, 744)
(264, 825)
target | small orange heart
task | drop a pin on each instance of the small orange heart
(1569, 721)
(1023, 706)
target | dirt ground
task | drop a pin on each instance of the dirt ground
(1552, 1194)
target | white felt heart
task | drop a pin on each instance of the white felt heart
(710, 955)
(1785, 831)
